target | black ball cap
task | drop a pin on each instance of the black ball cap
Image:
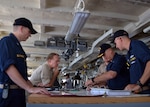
(118, 34)
(103, 48)
(26, 23)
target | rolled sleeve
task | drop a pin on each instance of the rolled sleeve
(6, 55)
(142, 51)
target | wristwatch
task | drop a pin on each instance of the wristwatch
(139, 83)
(93, 79)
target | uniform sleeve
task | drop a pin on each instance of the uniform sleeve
(142, 52)
(118, 64)
(7, 54)
(46, 74)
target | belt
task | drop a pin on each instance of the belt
(10, 87)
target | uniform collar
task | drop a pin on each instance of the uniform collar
(130, 47)
(14, 38)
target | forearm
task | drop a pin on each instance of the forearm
(56, 73)
(52, 80)
(29, 82)
(146, 74)
(15, 76)
(105, 77)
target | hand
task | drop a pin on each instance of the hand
(133, 87)
(38, 90)
(46, 85)
(89, 83)
(40, 85)
(137, 89)
(88, 88)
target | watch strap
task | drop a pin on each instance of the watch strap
(139, 83)
(93, 79)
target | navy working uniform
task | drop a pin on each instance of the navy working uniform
(118, 65)
(12, 54)
(137, 57)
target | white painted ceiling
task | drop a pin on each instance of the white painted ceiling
(52, 18)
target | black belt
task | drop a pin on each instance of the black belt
(11, 86)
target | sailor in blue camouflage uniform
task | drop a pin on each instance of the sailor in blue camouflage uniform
(13, 67)
(138, 58)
